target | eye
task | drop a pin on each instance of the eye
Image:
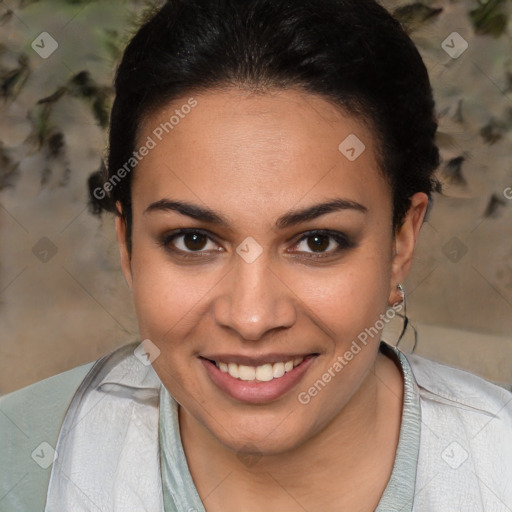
(322, 243)
(189, 241)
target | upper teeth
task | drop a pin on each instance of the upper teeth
(264, 373)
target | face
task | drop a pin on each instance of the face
(260, 253)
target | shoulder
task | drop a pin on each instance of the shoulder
(51, 383)
(465, 453)
(30, 421)
(459, 388)
(42, 398)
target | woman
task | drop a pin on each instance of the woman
(270, 167)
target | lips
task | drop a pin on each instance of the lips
(257, 380)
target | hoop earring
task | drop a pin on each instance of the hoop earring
(406, 322)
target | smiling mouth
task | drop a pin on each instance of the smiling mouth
(262, 373)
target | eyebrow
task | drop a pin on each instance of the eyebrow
(291, 218)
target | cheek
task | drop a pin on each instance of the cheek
(168, 298)
(348, 298)
(162, 299)
(158, 298)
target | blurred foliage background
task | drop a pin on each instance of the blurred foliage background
(63, 300)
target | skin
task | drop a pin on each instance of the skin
(253, 158)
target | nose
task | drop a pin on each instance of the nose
(254, 300)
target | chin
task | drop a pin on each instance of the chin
(264, 437)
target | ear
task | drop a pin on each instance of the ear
(404, 243)
(123, 248)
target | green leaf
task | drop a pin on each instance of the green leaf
(489, 18)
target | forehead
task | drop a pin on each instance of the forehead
(265, 152)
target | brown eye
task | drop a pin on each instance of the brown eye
(188, 242)
(194, 241)
(323, 243)
(318, 242)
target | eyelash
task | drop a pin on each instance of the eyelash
(340, 238)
